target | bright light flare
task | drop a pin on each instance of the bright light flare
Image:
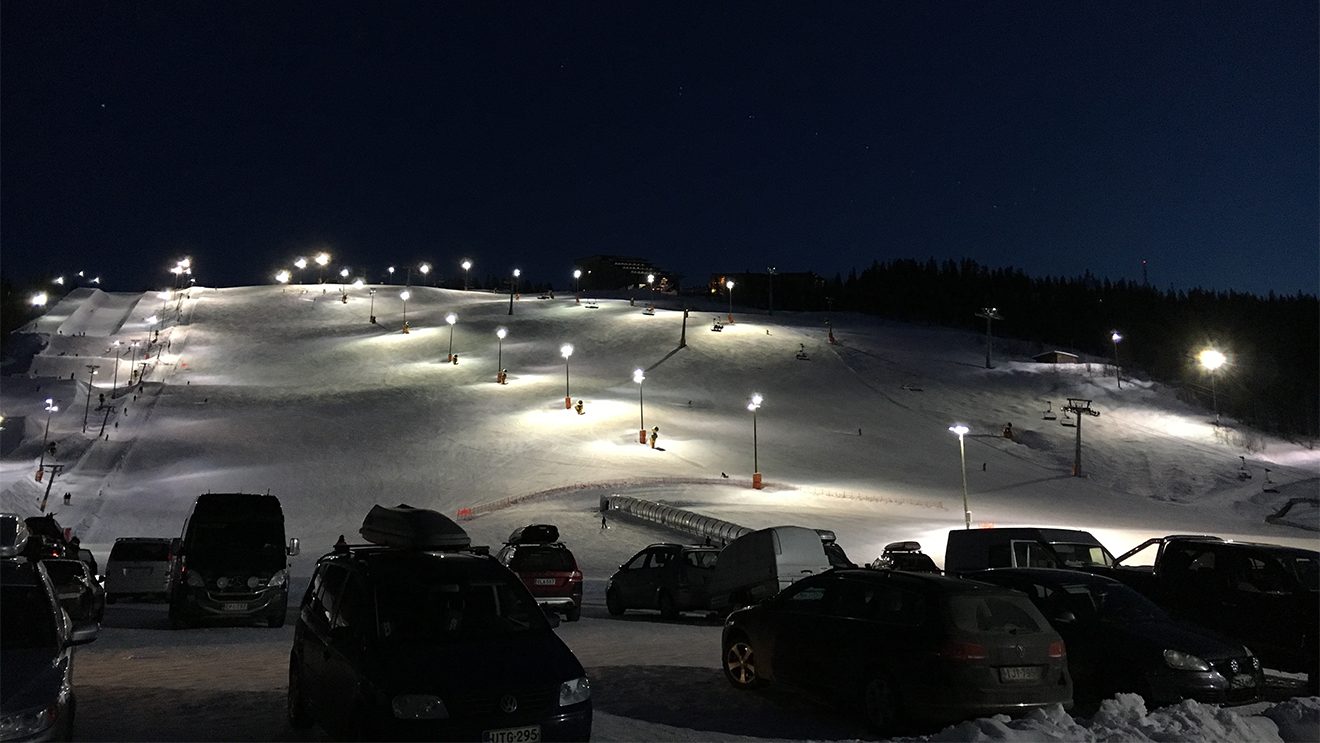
(282, 275)
(300, 264)
(322, 259)
(729, 283)
(959, 429)
(39, 299)
(466, 264)
(566, 350)
(343, 273)
(639, 376)
(756, 401)
(1116, 336)
(59, 280)
(501, 333)
(405, 295)
(577, 273)
(425, 268)
(1211, 359)
(358, 283)
(51, 407)
(517, 272)
(451, 318)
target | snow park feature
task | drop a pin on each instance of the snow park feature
(334, 415)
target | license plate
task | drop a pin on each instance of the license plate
(528, 734)
(1019, 673)
(234, 607)
(1243, 680)
(545, 581)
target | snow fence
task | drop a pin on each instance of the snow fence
(717, 531)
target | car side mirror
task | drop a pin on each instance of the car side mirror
(294, 547)
(1064, 617)
(551, 616)
(83, 633)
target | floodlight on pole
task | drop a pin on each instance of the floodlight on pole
(282, 276)
(39, 299)
(500, 333)
(425, 268)
(513, 287)
(467, 267)
(1116, 336)
(300, 264)
(59, 280)
(566, 350)
(639, 377)
(390, 271)
(371, 311)
(404, 295)
(729, 284)
(577, 285)
(51, 407)
(1212, 359)
(754, 406)
(321, 260)
(962, 431)
(91, 372)
(114, 384)
(451, 318)
(650, 281)
(989, 313)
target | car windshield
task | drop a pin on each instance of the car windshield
(26, 621)
(541, 560)
(258, 544)
(995, 614)
(1108, 603)
(437, 603)
(1075, 555)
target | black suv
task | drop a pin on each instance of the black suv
(669, 577)
(419, 635)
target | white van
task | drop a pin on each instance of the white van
(760, 564)
(139, 567)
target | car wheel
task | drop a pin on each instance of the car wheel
(299, 717)
(573, 614)
(667, 608)
(880, 702)
(740, 664)
(613, 604)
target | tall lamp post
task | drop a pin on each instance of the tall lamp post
(513, 287)
(728, 283)
(1116, 336)
(770, 306)
(451, 318)
(321, 260)
(566, 350)
(404, 295)
(283, 276)
(114, 385)
(1212, 359)
(989, 313)
(500, 333)
(962, 430)
(425, 268)
(371, 312)
(91, 372)
(467, 267)
(753, 406)
(577, 286)
(639, 377)
(51, 407)
(300, 264)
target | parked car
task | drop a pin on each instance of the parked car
(46, 538)
(1266, 596)
(670, 578)
(761, 563)
(901, 646)
(1118, 640)
(86, 556)
(78, 591)
(548, 568)
(1023, 547)
(905, 556)
(419, 636)
(37, 638)
(139, 567)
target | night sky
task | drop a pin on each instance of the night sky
(1054, 137)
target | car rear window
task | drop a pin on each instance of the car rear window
(140, 552)
(994, 614)
(542, 560)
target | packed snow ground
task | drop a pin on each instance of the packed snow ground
(292, 391)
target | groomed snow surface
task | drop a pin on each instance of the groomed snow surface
(293, 391)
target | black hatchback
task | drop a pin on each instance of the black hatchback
(1118, 640)
(671, 578)
(420, 636)
(901, 645)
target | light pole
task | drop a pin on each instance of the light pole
(425, 268)
(1212, 359)
(989, 313)
(132, 362)
(91, 372)
(639, 377)
(753, 406)
(729, 284)
(114, 385)
(1116, 336)
(770, 307)
(962, 430)
(499, 353)
(343, 279)
(51, 407)
(513, 287)
(371, 311)
(321, 260)
(451, 318)
(566, 350)
(300, 264)
(650, 281)
(283, 276)
(404, 295)
(390, 271)
(577, 286)
(467, 267)
(39, 299)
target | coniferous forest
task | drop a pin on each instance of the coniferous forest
(1271, 380)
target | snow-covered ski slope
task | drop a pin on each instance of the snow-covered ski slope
(292, 391)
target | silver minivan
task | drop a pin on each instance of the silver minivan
(139, 567)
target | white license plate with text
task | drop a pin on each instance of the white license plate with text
(545, 581)
(527, 734)
(1019, 673)
(234, 607)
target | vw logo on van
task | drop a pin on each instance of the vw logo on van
(508, 703)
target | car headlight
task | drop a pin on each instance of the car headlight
(222, 582)
(419, 707)
(28, 722)
(278, 579)
(574, 692)
(1184, 661)
(195, 579)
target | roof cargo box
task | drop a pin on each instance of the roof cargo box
(535, 534)
(413, 528)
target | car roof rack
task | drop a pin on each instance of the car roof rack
(413, 528)
(905, 546)
(534, 534)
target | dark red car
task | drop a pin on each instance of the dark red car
(548, 568)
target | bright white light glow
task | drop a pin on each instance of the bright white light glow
(566, 350)
(150, 319)
(358, 283)
(59, 280)
(650, 278)
(451, 318)
(39, 299)
(96, 280)
(756, 401)
(282, 276)
(501, 333)
(405, 295)
(343, 272)
(1211, 359)
(577, 273)
(163, 296)
(425, 268)
(959, 429)
(322, 259)
(638, 376)
(728, 283)
(51, 407)
(517, 272)
(1116, 336)
(301, 263)
(466, 264)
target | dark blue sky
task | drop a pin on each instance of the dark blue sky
(1055, 137)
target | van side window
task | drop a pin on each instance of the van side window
(1032, 555)
(332, 586)
(354, 604)
(1259, 574)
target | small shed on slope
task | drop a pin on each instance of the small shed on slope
(1056, 357)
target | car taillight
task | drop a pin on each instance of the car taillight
(959, 650)
(1057, 649)
(575, 577)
